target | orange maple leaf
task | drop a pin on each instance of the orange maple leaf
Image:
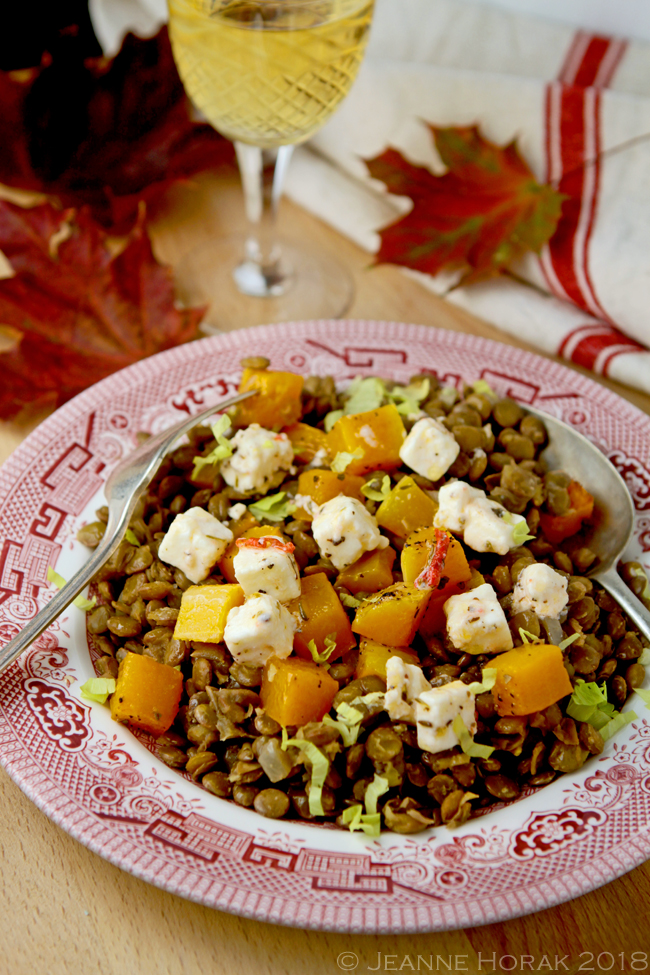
(485, 212)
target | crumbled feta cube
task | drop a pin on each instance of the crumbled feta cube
(261, 628)
(267, 569)
(489, 527)
(344, 530)
(194, 542)
(404, 683)
(319, 460)
(237, 511)
(435, 711)
(429, 449)
(542, 589)
(306, 503)
(476, 622)
(259, 461)
(454, 499)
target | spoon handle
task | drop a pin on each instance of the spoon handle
(612, 582)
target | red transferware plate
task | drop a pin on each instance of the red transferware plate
(105, 786)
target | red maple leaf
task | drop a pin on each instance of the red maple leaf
(486, 211)
(104, 133)
(79, 311)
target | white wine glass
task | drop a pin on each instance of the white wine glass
(266, 74)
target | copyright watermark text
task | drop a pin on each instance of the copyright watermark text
(492, 962)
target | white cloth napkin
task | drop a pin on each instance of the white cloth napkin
(576, 102)
(572, 100)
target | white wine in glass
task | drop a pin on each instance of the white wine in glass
(268, 74)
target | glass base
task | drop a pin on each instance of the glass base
(317, 286)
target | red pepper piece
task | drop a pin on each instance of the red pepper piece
(432, 572)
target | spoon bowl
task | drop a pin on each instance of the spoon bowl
(613, 519)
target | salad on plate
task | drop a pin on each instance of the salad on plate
(366, 608)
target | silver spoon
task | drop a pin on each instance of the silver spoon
(122, 490)
(613, 520)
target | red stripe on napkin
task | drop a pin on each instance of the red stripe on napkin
(595, 345)
(572, 155)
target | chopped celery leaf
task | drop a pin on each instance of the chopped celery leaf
(80, 602)
(98, 689)
(363, 395)
(132, 537)
(273, 507)
(467, 743)
(378, 787)
(343, 460)
(377, 494)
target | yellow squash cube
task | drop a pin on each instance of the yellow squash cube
(147, 694)
(296, 691)
(323, 485)
(307, 441)
(372, 572)
(374, 656)
(392, 616)
(529, 678)
(376, 435)
(204, 611)
(406, 508)
(278, 403)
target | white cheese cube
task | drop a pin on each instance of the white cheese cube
(259, 461)
(267, 568)
(476, 622)
(344, 529)
(541, 589)
(259, 629)
(429, 449)
(237, 511)
(404, 683)
(453, 500)
(435, 711)
(194, 542)
(489, 527)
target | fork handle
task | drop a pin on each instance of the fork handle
(638, 613)
(55, 606)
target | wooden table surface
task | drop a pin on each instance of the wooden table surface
(67, 911)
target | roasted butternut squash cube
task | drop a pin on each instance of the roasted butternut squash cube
(406, 508)
(323, 485)
(307, 441)
(147, 694)
(296, 691)
(529, 678)
(374, 656)
(392, 616)
(226, 567)
(377, 435)
(321, 614)
(418, 549)
(372, 572)
(278, 403)
(204, 611)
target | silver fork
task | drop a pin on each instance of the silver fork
(122, 490)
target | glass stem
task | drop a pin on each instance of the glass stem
(263, 273)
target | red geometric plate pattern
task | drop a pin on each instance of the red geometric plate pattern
(102, 784)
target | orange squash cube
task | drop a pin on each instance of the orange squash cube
(406, 508)
(278, 403)
(377, 434)
(321, 614)
(295, 691)
(307, 441)
(374, 656)
(204, 611)
(372, 572)
(147, 694)
(529, 678)
(323, 485)
(226, 567)
(392, 616)
(417, 552)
